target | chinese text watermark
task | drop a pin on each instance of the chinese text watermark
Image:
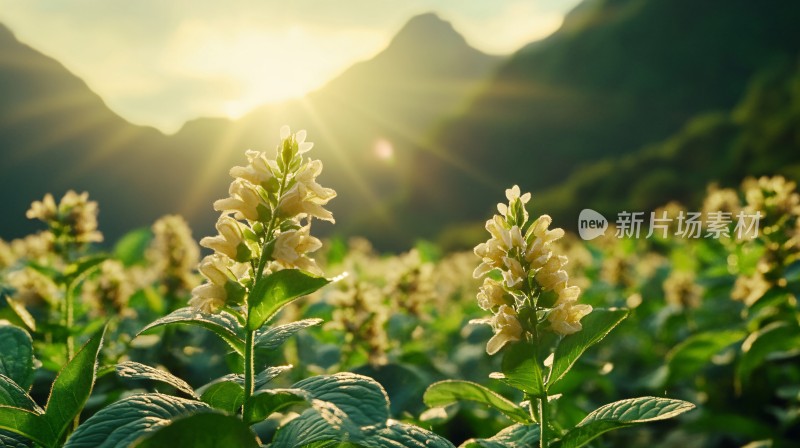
(716, 225)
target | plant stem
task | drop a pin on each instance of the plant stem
(543, 422)
(69, 311)
(249, 371)
(541, 401)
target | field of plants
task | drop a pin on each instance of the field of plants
(266, 335)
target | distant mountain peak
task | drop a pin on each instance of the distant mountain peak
(6, 33)
(426, 30)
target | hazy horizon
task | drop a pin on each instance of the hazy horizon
(160, 65)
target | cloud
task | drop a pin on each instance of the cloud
(162, 63)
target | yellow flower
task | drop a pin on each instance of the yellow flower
(244, 201)
(514, 273)
(44, 210)
(173, 253)
(208, 298)
(229, 239)
(513, 194)
(565, 318)
(258, 171)
(551, 276)
(76, 213)
(32, 287)
(681, 291)
(214, 268)
(506, 328)
(292, 246)
(306, 196)
(568, 294)
(7, 257)
(299, 137)
(494, 252)
(538, 253)
(491, 294)
(749, 289)
(539, 230)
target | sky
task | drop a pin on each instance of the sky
(161, 63)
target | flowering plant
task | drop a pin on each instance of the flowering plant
(542, 330)
(261, 262)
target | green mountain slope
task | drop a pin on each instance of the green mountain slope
(759, 136)
(56, 134)
(619, 75)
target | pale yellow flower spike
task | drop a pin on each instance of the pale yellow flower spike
(229, 238)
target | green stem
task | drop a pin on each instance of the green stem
(249, 371)
(69, 312)
(541, 402)
(543, 422)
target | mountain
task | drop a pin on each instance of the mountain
(56, 134)
(365, 123)
(759, 136)
(617, 76)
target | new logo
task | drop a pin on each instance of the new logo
(591, 224)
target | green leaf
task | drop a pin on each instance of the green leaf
(22, 315)
(72, 387)
(226, 396)
(521, 369)
(273, 292)
(322, 426)
(694, 353)
(361, 398)
(10, 440)
(223, 325)
(447, 392)
(596, 326)
(262, 378)
(621, 414)
(28, 424)
(125, 421)
(274, 337)
(779, 339)
(515, 436)
(333, 444)
(265, 402)
(349, 410)
(131, 248)
(13, 395)
(269, 374)
(137, 371)
(204, 430)
(397, 434)
(16, 355)
(82, 267)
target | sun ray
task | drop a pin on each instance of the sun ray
(354, 176)
(202, 187)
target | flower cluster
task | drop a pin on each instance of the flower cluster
(33, 288)
(532, 293)
(72, 222)
(410, 283)
(777, 201)
(108, 293)
(681, 290)
(173, 254)
(265, 223)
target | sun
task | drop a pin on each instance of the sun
(255, 65)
